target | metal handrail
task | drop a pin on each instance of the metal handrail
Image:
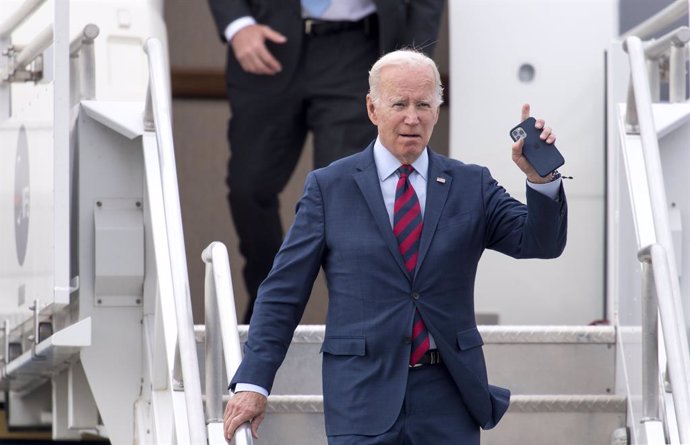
(19, 16)
(666, 280)
(660, 279)
(222, 335)
(81, 47)
(158, 104)
(35, 48)
(660, 20)
(658, 47)
(673, 43)
(650, 144)
(44, 39)
(87, 36)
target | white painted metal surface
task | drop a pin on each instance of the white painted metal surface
(643, 168)
(153, 319)
(34, 208)
(540, 56)
(222, 339)
(113, 386)
(160, 98)
(34, 367)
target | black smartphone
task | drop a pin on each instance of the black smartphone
(544, 157)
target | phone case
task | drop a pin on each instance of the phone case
(544, 157)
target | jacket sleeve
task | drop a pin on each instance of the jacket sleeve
(226, 11)
(535, 230)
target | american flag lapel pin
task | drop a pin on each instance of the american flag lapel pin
(441, 180)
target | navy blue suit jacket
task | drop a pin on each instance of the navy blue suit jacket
(342, 225)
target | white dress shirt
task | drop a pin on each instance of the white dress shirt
(339, 10)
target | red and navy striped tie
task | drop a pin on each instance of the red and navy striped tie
(407, 228)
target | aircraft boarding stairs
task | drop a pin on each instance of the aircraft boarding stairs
(113, 351)
(562, 378)
(618, 383)
(626, 382)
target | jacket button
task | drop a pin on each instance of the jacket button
(415, 296)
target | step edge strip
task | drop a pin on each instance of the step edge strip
(493, 334)
(519, 403)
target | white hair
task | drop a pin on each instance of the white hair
(403, 57)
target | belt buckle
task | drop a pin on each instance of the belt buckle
(307, 26)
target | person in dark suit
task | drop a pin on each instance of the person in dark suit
(293, 67)
(398, 230)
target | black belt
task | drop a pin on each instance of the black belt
(316, 27)
(431, 357)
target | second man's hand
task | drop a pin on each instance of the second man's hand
(249, 46)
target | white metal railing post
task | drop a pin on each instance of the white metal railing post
(213, 347)
(218, 278)
(654, 71)
(632, 122)
(650, 342)
(674, 42)
(189, 362)
(676, 345)
(677, 75)
(81, 48)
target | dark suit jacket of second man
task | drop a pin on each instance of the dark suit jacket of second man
(400, 23)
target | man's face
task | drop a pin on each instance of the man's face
(405, 113)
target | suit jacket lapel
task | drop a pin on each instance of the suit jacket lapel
(367, 180)
(436, 196)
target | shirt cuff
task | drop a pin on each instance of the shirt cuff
(549, 189)
(248, 387)
(237, 25)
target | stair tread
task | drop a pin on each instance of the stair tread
(564, 403)
(498, 334)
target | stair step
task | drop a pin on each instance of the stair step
(561, 378)
(552, 419)
(526, 359)
(551, 359)
(559, 420)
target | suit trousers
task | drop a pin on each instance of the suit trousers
(433, 412)
(267, 133)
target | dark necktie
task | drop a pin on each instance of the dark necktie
(407, 228)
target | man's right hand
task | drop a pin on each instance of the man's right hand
(244, 407)
(250, 49)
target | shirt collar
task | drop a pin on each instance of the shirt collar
(387, 164)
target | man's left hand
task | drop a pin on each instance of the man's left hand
(244, 407)
(519, 158)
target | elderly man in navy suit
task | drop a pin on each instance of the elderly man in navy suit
(398, 230)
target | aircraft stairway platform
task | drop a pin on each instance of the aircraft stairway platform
(561, 378)
(99, 339)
